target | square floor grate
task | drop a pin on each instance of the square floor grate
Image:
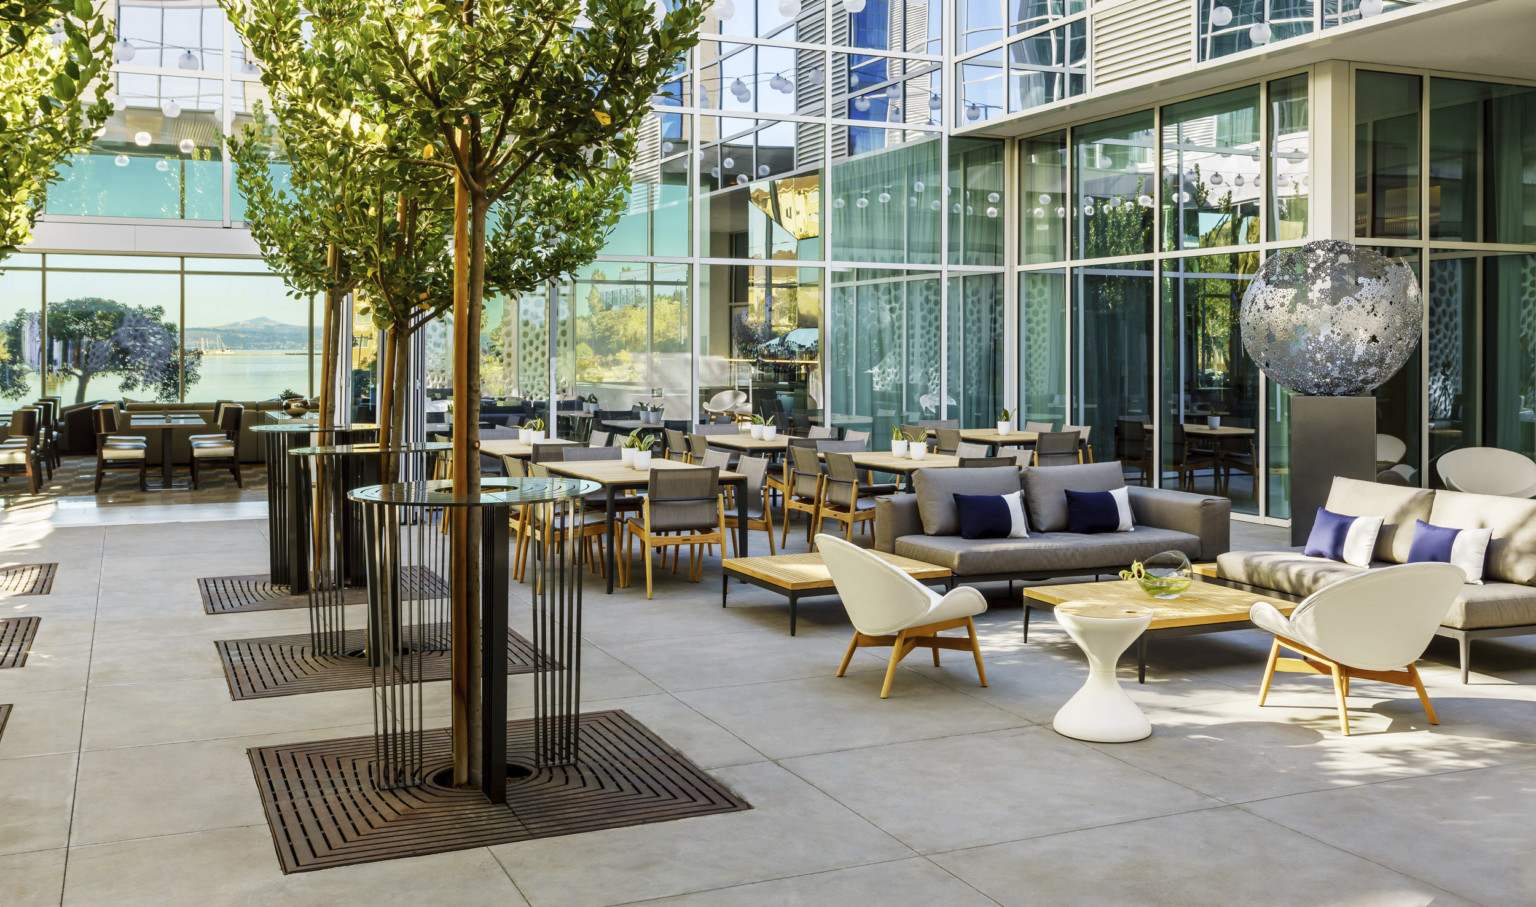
(286, 665)
(27, 579)
(16, 634)
(257, 592)
(324, 811)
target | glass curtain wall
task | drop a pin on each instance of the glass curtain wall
(1233, 26)
(1044, 59)
(1446, 178)
(1138, 236)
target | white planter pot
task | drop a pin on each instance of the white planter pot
(769, 432)
(536, 436)
(1212, 421)
(642, 459)
(655, 417)
(627, 456)
(917, 450)
(525, 436)
(1004, 428)
(757, 432)
(898, 448)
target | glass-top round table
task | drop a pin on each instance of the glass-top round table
(439, 492)
(287, 516)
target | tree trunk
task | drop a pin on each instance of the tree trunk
(465, 617)
(402, 381)
(387, 402)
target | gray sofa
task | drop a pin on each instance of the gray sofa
(924, 525)
(1504, 605)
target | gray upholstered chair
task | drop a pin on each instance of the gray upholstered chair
(803, 487)
(1057, 448)
(971, 449)
(841, 500)
(682, 507)
(759, 515)
(599, 438)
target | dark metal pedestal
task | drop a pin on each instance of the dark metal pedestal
(404, 530)
(1330, 436)
(287, 510)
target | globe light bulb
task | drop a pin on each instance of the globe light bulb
(121, 160)
(1221, 16)
(934, 101)
(171, 109)
(764, 169)
(934, 205)
(790, 8)
(666, 147)
(1282, 181)
(1184, 197)
(861, 104)
(187, 60)
(972, 112)
(838, 203)
(1370, 8)
(1060, 211)
(1216, 179)
(853, 6)
(993, 197)
(1038, 212)
(251, 68)
(162, 165)
(816, 76)
(1259, 34)
(884, 197)
(714, 172)
(969, 211)
(1088, 210)
(724, 9)
(918, 186)
(741, 179)
(862, 202)
(893, 90)
(991, 212)
(728, 163)
(187, 146)
(142, 139)
(123, 51)
(1045, 198)
(1238, 180)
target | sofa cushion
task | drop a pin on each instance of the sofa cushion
(1512, 551)
(1045, 490)
(936, 490)
(1061, 553)
(1397, 505)
(1492, 605)
(1290, 572)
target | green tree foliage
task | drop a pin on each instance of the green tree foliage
(53, 65)
(91, 337)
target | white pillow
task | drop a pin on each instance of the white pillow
(1015, 502)
(1469, 551)
(1123, 501)
(1360, 542)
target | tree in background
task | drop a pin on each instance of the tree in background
(54, 60)
(90, 337)
(509, 98)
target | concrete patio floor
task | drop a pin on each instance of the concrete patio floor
(124, 779)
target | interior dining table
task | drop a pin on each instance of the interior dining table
(615, 477)
(165, 423)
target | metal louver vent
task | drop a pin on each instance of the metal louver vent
(1134, 39)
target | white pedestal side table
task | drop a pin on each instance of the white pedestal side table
(1101, 711)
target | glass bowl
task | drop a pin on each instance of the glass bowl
(1163, 576)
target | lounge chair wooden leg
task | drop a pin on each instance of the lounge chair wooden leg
(853, 645)
(648, 573)
(1418, 685)
(897, 650)
(1338, 690)
(981, 669)
(1269, 671)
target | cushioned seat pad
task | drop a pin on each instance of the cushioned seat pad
(1492, 604)
(1053, 552)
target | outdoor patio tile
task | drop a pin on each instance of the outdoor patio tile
(899, 883)
(236, 866)
(753, 656)
(33, 879)
(38, 792)
(791, 829)
(115, 661)
(1214, 857)
(48, 667)
(964, 791)
(42, 723)
(141, 714)
(704, 742)
(1468, 832)
(822, 714)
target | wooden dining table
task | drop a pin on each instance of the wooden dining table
(511, 447)
(615, 477)
(1196, 430)
(166, 424)
(745, 443)
(992, 437)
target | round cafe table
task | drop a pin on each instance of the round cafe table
(287, 510)
(1102, 712)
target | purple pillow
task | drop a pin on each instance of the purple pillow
(1349, 539)
(1465, 548)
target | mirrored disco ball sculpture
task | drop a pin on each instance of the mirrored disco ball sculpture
(1330, 319)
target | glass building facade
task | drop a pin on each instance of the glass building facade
(827, 216)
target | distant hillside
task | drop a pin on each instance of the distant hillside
(253, 334)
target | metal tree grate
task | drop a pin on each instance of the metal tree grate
(257, 592)
(324, 809)
(5, 715)
(27, 579)
(16, 634)
(270, 666)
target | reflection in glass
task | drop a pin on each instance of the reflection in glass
(1114, 184)
(1042, 347)
(976, 338)
(890, 25)
(885, 90)
(1386, 154)
(22, 341)
(982, 88)
(116, 334)
(254, 337)
(980, 23)
(186, 35)
(625, 330)
(751, 78)
(656, 220)
(1048, 66)
(762, 188)
(886, 205)
(1399, 410)
(760, 333)
(1509, 348)
(1112, 364)
(976, 210)
(1024, 15)
(1452, 295)
(777, 19)
(885, 330)
(1209, 382)
(1482, 161)
(1290, 170)
(1211, 160)
(1233, 26)
(1043, 229)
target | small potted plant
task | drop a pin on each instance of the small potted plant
(628, 449)
(525, 433)
(637, 451)
(1005, 422)
(917, 445)
(758, 426)
(770, 431)
(654, 413)
(591, 403)
(535, 430)
(898, 442)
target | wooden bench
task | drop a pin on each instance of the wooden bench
(801, 575)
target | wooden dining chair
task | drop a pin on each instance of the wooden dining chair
(802, 488)
(20, 455)
(682, 507)
(223, 451)
(1057, 448)
(759, 514)
(115, 451)
(841, 500)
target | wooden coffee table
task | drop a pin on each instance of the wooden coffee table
(1211, 605)
(801, 575)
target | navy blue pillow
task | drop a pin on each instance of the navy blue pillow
(1092, 511)
(1328, 533)
(983, 516)
(1431, 543)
